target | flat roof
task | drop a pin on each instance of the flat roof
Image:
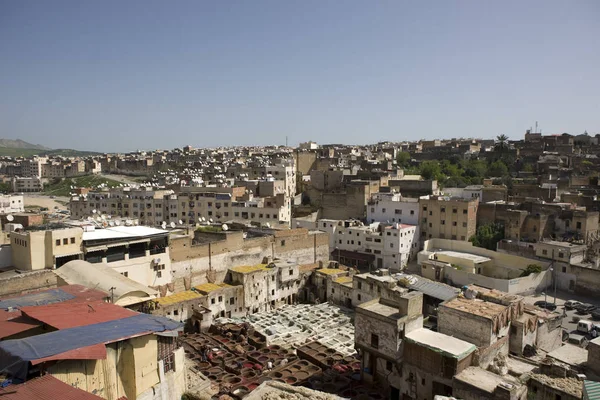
(469, 256)
(343, 279)
(569, 354)
(478, 307)
(447, 345)
(482, 379)
(178, 297)
(330, 271)
(206, 288)
(122, 232)
(246, 269)
(375, 306)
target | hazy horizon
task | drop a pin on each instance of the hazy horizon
(117, 77)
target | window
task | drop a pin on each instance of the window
(159, 274)
(464, 211)
(58, 242)
(443, 209)
(389, 233)
(454, 211)
(579, 225)
(232, 300)
(332, 290)
(374, 341)
(462, 238)
(564, 270)
(283, 242)
(72, 240)
(125, 274)
(273, 292)
(392, 245)
(453, 237)
(424, 208)
(388, 365)
(65, 241)
(430, 212)
(544, 252)
(443, 222)
(212, 301)
(398, 212)
(383, 210)
(359, 286)
(372, 210)
(220, 299)
(464, 224)
(560, 255)
(454, 223)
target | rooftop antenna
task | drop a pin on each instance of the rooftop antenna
(536, 126)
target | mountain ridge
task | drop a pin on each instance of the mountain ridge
(21, 144)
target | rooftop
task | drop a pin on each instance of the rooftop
(468, 256)
(247, 269)
(447, 345)
(569, 354)
(375, 306)
(45, 387)
(69, 315)
(477, 307)
(122, 232)
(178, 297)
(330, 271)
(484, 380)
(343, 279)
(206, 288)
(572, 386)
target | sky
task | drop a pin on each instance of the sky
(126, 75)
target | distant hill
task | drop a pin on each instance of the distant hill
(20, 148)
(21, 144)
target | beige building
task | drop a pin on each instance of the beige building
(40, 248)
(448, 218)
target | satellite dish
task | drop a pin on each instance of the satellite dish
(90, 218)
(94, 211)
(163, 225)
(203, 219)
(111, 223)
(268, 225)
(98, 218)
(224, 227)
(118, 222)
(10, 217)
(103, 217)
(180, 222)
(172, 224)
(210, 220)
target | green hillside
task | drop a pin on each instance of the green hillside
(17, 152)
(63, 187)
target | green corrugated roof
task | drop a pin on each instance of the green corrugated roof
(591, 390)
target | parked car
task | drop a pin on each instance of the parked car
(570, 304)
(545, 304)
(585, 308)
(596, 314)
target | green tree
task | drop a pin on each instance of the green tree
(497, 169)
(531, 269)
(488, 236)
(431, 170)
(403, 159)
(502, 142)
(5, 187)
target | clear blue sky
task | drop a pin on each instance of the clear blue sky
(122, 75)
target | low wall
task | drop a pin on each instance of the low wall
(525, 285)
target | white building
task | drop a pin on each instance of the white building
(310, 145)
(467, 193)
(393, 208)
(10, 204)
(390, 246)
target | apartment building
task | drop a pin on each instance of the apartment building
(27, 184)
(392, 207)
(448, 217)
(33, 167)
(10, 204)
(375, 245)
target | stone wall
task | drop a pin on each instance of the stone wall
(27, 282)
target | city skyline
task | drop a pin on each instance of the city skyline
(116, 78)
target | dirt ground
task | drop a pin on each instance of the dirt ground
(45, 201)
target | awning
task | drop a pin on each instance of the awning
(69, 254)
(99, 248)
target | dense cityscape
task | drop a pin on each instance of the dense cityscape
(453, 268)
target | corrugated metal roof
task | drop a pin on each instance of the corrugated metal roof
(63, 316)
(591, 390)
(178, 297)
(17, 325)
(46, 387)
(434, 289)
(93, 352)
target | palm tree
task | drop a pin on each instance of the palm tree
(502, 139)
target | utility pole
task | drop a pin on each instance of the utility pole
(112, 294)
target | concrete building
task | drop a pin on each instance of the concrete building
(374, 245)
(380, 328)
(448, 218)
(222, 300)
(10, 204)
(27, 184)
(460, 263)
(266, 286)
(482, 323)
(476, 383)
(392, 207)
(593, 361)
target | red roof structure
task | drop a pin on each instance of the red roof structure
(69, 315)
(46, 387)
(17, 325)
